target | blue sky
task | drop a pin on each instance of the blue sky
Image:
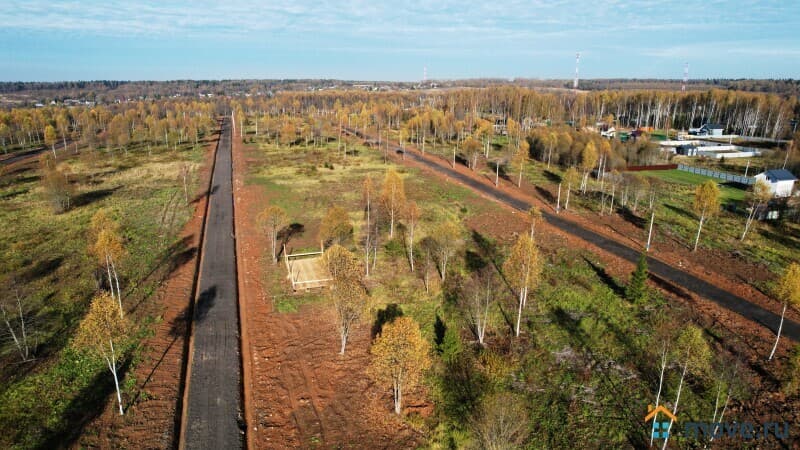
(377, 40)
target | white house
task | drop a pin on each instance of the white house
(780, 181)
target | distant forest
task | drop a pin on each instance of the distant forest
(109, 91)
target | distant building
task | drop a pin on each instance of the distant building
(708, 129)
(609, 133)
(780, 181)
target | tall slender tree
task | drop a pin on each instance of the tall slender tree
(706, 205)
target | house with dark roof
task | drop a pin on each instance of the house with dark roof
(780, 181)
(708, 129)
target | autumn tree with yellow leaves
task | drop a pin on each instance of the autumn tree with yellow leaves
(399, 357)
(336, 226)
(393, 197)
(105, 244)
(788, 292)
(102, 333)
(706, 205)
(346, 291)
(272, 219)
(522, 269)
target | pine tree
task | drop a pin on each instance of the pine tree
(636, 291)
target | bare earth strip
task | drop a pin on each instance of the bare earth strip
(302, 393)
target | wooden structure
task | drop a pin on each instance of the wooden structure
(306, 270)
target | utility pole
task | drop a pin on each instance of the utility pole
(685, 77)
(577, 61)
(496, 172)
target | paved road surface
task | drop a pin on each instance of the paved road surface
(676, 276)
(214, 404)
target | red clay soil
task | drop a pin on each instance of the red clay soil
(716, 267)
(151, 411)
(299, 392)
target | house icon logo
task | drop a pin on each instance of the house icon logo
(660, 429)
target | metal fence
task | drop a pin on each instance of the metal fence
(718, 175)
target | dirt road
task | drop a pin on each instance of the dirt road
(657, 267)
(213, 411)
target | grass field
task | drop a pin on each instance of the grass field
(727, 193)
(47, 262)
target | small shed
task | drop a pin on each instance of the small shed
(780, 181)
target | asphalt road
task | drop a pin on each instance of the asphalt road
(657, 268)
(214, 402)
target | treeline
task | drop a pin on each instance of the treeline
(111, 126)
(743, 113)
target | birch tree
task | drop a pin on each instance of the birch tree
(411, 217)
(570, 178)
(588, 161)
(501, 422)
(272, 220)
(522, 269)
(336, 226)
(706, 205)
(19, 331)
(693, 350)
(50, 138)
(399, 357)
(447, 236)
(367, 195)
(106, 245)
(519, 160)
(757, 198)
(477, 297)
(788, 292)
(102, 333)
(347, 290)
(393, 197)
(534, 216)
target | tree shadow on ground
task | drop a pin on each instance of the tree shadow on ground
(384, 316)
(85, 406)
(680, 211)
(92, 196)
(633, 219)
(607, 279)
(41, 269)
(205, 302)
(552, 176)
(287, 233)
(546, 195)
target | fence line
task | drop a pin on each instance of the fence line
(717, 174)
